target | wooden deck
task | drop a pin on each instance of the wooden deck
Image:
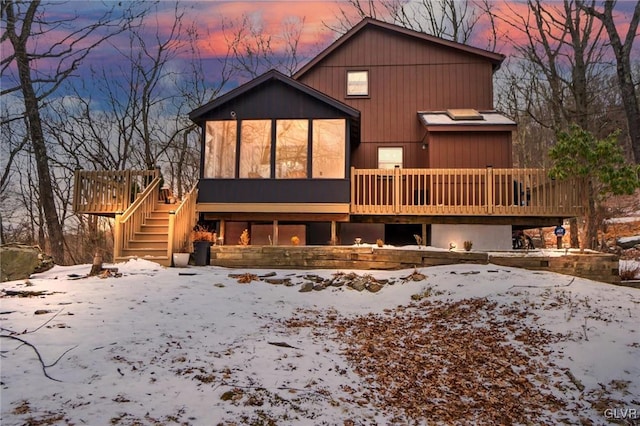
(463, 192)
(387, 192)
(104, 192)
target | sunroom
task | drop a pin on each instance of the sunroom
(275, 149)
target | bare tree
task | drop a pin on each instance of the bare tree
(449, 19)
(32, 37)
(255, 51)
(555, 78)
(622, 51)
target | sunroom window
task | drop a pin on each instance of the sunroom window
(220, 149)
(255, 149)
(328, 148)
(292, 138)
(293, 144)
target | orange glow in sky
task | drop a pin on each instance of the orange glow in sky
(318, 15)
(273, 17)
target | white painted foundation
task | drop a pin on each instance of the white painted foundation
(484, 237)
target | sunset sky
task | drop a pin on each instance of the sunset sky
(316, 16)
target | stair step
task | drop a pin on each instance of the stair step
(148, 244)
(163, 207)
(156, 229)
(159, 215)
(144, 253)
(156, 221)
(150, 236)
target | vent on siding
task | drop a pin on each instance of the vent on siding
(464, 114)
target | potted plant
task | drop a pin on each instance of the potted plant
(244, 238)
(181, 258)
(202, 239)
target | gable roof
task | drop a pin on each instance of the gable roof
(272, 75)
(495, 58)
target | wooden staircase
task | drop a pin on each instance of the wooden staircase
(152, 240)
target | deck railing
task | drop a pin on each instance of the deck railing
(488, 191)
(107, 192)
(181, 223)
(130, 222)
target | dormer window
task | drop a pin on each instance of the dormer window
(358, 83)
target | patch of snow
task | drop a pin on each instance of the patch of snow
(165, 345)
(627, 219)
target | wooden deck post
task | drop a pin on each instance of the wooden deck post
(490, 186)
(222, 223)
(424, 234)
(117, 237)
(353, 190)
(334, 237)
(275, 232)
(171, 235)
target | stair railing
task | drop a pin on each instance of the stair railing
(103, 191)
(181, 222)
(130, 221)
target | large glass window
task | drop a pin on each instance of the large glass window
(220, 149)
(357, 83)
(389, 158)
(255, 149)
(292, 138)
(328, 150)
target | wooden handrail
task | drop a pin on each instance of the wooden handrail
(181, 222)
(131, 220)
(141, 199)
(104, 192)
(488, 191)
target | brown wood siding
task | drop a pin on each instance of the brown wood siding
(405, 76)
(366, 155)
(470, 149)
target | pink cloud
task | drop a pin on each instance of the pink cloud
(272, 15)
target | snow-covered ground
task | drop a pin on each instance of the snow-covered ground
(193, 346)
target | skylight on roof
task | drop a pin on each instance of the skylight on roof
(464, 114)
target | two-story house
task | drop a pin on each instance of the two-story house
(387, 134)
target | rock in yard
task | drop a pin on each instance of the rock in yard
(305, 287)
(18, 262)
(374, 287)
(359, 284)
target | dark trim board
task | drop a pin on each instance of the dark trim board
(281, 217)
(274, 191)
(528, 221)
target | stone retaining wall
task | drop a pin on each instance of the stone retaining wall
(591, 265)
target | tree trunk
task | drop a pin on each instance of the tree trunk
(622, 52)
(574, 239)
(32, 111)
(591, 233)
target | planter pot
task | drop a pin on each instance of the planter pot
(181, 260)
(202, 253)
